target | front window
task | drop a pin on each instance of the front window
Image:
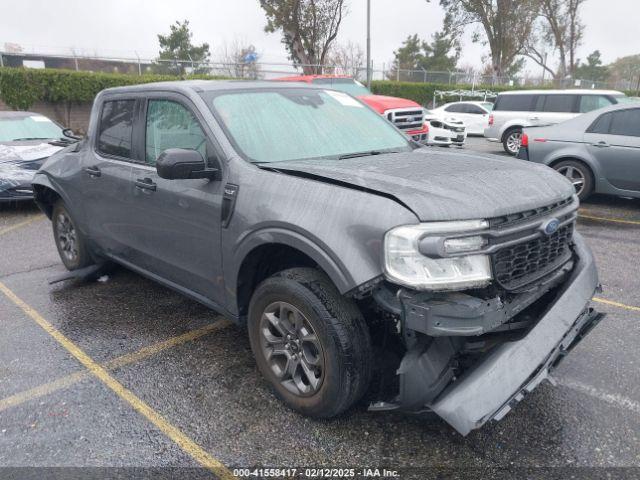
(28, 127)
(346, 85)
(296, 124)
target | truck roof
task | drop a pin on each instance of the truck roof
(581, 91)
(309, 78)
(202, 86)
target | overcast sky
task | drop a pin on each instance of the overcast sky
(120, 27)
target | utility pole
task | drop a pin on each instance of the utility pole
(369, 44)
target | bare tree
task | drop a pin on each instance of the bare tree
(560, 30)
(506, 26)
(238, 59)
(348, 58)
(308, 28)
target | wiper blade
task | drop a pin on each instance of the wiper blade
(363, 154)
(30, 138)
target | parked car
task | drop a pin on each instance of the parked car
(599, 152)
(304, 215)
(475, 115)
(24, 145)
(405, 114)
(445, 131)
(516, 110)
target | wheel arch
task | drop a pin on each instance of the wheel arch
(264, 256)
(45, 195)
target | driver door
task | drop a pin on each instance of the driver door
(177, 227)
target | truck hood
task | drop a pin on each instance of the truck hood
(382, 103)
(440, 186)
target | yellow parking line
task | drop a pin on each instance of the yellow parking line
(73, 378)
(607, 219)
(616, 304)
(175, 434)
(20, 224)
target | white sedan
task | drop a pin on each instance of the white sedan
(475, 115)
(445, 131)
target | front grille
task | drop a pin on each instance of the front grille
(454, 129)
(508, 220)
(518, 265)
(407, 118)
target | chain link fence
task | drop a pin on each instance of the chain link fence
(270, 70)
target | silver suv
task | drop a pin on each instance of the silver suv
(530, 108)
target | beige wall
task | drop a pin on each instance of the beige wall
(75, 116)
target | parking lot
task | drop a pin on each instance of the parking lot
(122, 372)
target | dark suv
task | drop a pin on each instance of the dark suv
(305, 215)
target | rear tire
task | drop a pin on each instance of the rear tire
(511, 141)
(70, 242)
(579, 175)
(310, 343)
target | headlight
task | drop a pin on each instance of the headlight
(412, 256)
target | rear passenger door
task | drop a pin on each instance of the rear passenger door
(614, 140)
(555, 108)
(177, 228)
(106, 173)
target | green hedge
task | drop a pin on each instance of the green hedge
(20, 88)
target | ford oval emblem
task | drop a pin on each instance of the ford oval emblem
(550, 226)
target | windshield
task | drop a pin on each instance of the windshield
(488, 106)
(625, 99)
(33, 127)
(347, 85)
(293, 124)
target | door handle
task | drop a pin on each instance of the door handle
(93, 171)
(534, 118)
(145, 184)
(600, 144)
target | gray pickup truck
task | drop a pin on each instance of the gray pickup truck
(347, 250)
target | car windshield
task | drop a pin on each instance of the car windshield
(347, 85)
(625, 99)
(30, 127)
(296, 124)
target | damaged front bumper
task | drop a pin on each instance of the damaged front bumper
(507, 372)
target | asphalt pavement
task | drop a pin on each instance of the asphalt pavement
(123, 373)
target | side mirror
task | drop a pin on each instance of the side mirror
(67, 132)
(180, 163)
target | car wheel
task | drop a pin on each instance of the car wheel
(512, 140)
(70, 241)
(579, 175)
(310, 343)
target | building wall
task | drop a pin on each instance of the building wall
(74, 116)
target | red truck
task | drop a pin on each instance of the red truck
(405, 114)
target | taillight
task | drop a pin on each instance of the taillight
(491, 120)
(525, 140)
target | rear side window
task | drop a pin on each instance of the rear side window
(557, 103)
(116, 128)
(515, 103)
(589, 103)
(601, 125)
(626, 122)
(474, 109)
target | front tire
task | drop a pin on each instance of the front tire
(70, 242)
(512, 140)
(310, 343)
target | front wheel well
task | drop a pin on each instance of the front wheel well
(506, 132)
(46, 198)
(263, 262)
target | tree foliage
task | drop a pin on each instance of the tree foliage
(505, 26)
(594, 69)
(308, 28)
(625, 68)
(440, 55)
(177, 47)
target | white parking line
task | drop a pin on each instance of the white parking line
(611, 398)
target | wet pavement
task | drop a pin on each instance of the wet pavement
(205, 384)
